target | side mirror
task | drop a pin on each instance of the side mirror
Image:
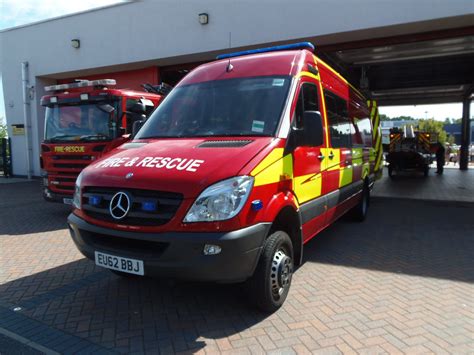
(138, 108)
(136, 127)
(312, 132)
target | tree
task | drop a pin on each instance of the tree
(399, 118)
(433, 126)
(3, 128)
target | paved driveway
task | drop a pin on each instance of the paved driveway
(400, 282)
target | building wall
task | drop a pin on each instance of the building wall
(149, 33)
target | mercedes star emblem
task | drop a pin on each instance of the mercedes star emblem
(119, 205)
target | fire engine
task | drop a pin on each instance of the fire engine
(410, 151)
(85, 120)
(246, 160)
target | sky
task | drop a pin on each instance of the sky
(19, 12)
(439, 112)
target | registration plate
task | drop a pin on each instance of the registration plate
(131, 266)
(67, 201)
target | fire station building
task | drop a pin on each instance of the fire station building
(398, 52)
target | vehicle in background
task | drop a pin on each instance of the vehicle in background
(410, 151)
(84, 120)
(246, 160)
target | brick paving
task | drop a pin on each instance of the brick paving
(453, 185)
(401, 282)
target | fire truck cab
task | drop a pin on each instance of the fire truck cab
(83, 121)
(246, 160)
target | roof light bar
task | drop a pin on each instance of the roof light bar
(287, 47)
(81, 84)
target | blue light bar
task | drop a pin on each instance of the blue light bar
(149, 206)
(287, 47)
(95, 200)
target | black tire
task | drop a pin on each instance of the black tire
(390, 171)
(271, 281)
(359, 212)
(426, 171)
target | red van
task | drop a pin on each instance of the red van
(246, 160)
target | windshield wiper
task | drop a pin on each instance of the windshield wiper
(61, 138)
(94, 136)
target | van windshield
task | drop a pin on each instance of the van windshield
(232, 107)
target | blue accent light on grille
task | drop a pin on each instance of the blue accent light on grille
(149, 206)
(95, 200)
(287, 47)
(257, 205)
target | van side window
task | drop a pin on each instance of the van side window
(307, 101)
(338, 120)
(364, 131)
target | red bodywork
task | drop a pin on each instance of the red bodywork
(217, 164)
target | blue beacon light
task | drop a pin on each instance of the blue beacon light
(149, 206)
(287, 47)
(95, 200)
(257, 205)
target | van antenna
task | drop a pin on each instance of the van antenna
(229, 66)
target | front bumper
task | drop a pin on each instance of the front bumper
(51, 196)
(177, 254)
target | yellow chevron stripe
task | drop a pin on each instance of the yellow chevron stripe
(307, 187)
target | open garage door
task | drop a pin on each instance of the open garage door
(425, 68)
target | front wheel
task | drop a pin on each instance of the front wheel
(269, 285)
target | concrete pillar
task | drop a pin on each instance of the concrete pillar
(465, 132)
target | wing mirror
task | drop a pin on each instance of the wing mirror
(308, 133)
(137, 108)
(136, 127)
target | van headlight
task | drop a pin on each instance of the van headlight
(221, 201)
(76, 200)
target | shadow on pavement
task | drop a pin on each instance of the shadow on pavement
(131, 314)
(23, 210)
(421, 238)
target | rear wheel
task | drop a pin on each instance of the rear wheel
(359, 212)
(269, 285)
(390, 171)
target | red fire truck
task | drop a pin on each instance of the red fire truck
(244, 162)
(85, 120)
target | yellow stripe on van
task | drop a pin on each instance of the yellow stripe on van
(334, 163)
(275, 172)
(307, 73)
(307, 187)
(345, 176)
(274, 155)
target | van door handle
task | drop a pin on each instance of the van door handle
(321, 157)
(331, 155)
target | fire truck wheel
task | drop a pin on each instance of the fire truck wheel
(359, 212)
(270, 283)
